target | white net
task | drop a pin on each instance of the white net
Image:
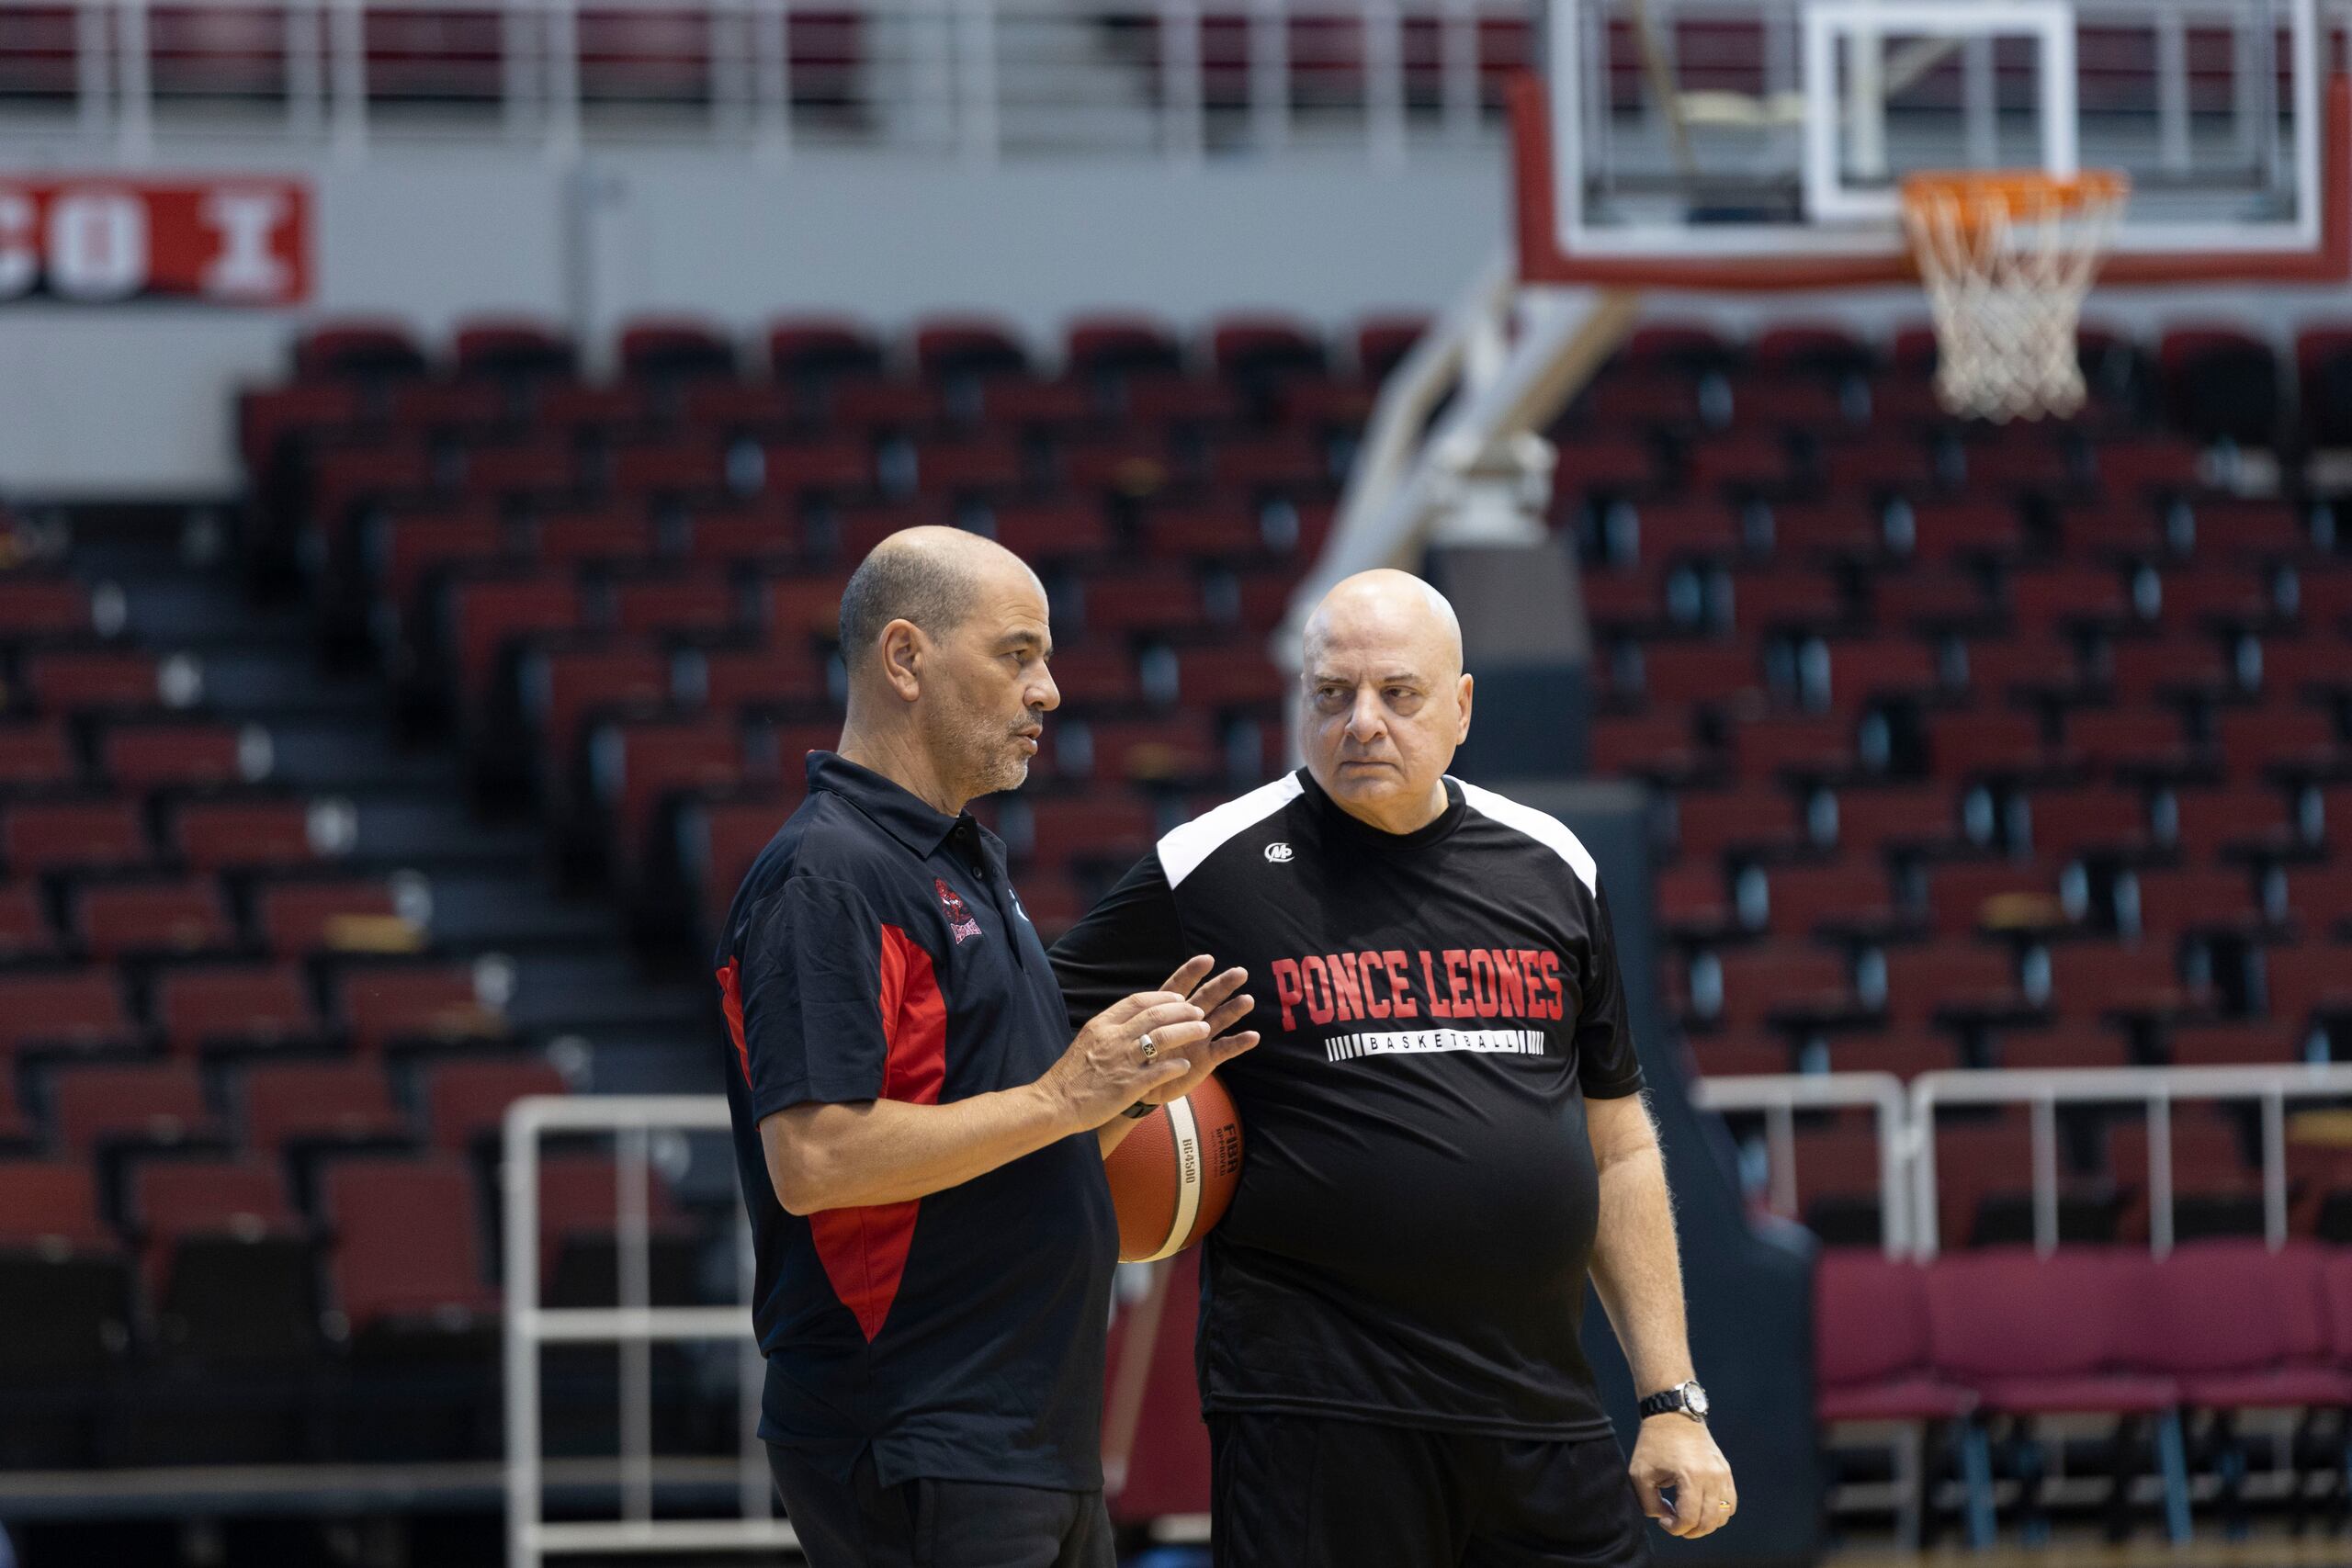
(2007, 260)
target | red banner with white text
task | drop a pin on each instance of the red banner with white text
(101, 241)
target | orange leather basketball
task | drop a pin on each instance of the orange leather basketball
(1173, 1177)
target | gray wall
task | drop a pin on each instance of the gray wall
(132, 400)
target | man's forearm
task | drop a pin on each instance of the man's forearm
(885, 1151)
(1638, 1270)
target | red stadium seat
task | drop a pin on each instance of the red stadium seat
(407, 1243)
(2093, 980)
(25, 931)
(83, 836)
(217, 834)
(2039, 1336)
(487, 616)
(116, 919)
(2243, 1327)
(325, 1102)
(43, 1203)
(79, 1010)
(465, 1102)
(1046, 530)
(199, 1197)
(1874, 818)
(261, 1006)
(299, 918)
(1965, 898)
(160, 1103)
(81, 680)
(435, 1004)
(1872, 1359)
(44, 608)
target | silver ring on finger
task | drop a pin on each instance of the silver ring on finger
(1149, 1046)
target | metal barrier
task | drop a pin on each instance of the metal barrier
(1906, 1122)
(2156, 1089)
(635, 1324)
(1781, 1095)
(973, 80)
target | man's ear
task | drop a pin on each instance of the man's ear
(904, 648)
(1462, 697)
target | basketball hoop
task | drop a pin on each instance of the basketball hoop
(2008, 259)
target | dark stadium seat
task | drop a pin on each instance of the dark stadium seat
(120, 919)
(77, 1009)
(24, 929)
(44, 1202)
(653, 347)
(465, 1102)
(245, 1008)
(296, 920)
(213, 835)
(161, 1104)
(358, 348)
(184, 755)
(417, 1004)
(327, 1104)
(511, 347)
(407, 1246)
(85, 835)
(2220, 383)
(406, 1271)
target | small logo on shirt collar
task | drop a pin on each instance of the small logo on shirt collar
(960, 923)
(1278, 853)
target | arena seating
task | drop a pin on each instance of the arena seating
(243, 1083)
(1989, 1343)
(1979, 748)
(621, 595)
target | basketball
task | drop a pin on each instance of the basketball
(1173, 1177)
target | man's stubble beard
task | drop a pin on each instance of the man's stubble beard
(983, 755)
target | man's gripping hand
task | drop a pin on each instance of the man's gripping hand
(1678, 1453)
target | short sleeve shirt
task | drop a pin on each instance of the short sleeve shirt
(1410, 1240)
(876, 951)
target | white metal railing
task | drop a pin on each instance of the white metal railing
(1907, 1123)
(975, 80)
(1781, 1095)
(635, 1324)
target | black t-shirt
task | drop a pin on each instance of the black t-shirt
(1418, 1200)
(876, 951)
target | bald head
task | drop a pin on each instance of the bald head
(930, 577)
(1384, 700)
(946, 637)
(1391, 610)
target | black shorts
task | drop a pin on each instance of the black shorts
(1302, 1491)
(937, 1524)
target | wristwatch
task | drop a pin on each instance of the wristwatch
(1687, 1397)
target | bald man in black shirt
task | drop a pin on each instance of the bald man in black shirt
(1445, 1134)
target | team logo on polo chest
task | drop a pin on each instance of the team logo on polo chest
(960, 923)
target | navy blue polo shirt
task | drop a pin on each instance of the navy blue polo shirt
(876, 951)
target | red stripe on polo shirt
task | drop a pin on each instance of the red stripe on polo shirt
(730, 1002)
(865, 1251)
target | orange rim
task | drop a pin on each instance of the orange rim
(1976, 197)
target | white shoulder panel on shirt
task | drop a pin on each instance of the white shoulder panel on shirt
(1546, 829)
(1186, 847)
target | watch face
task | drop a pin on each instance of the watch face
(1694, 1399)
